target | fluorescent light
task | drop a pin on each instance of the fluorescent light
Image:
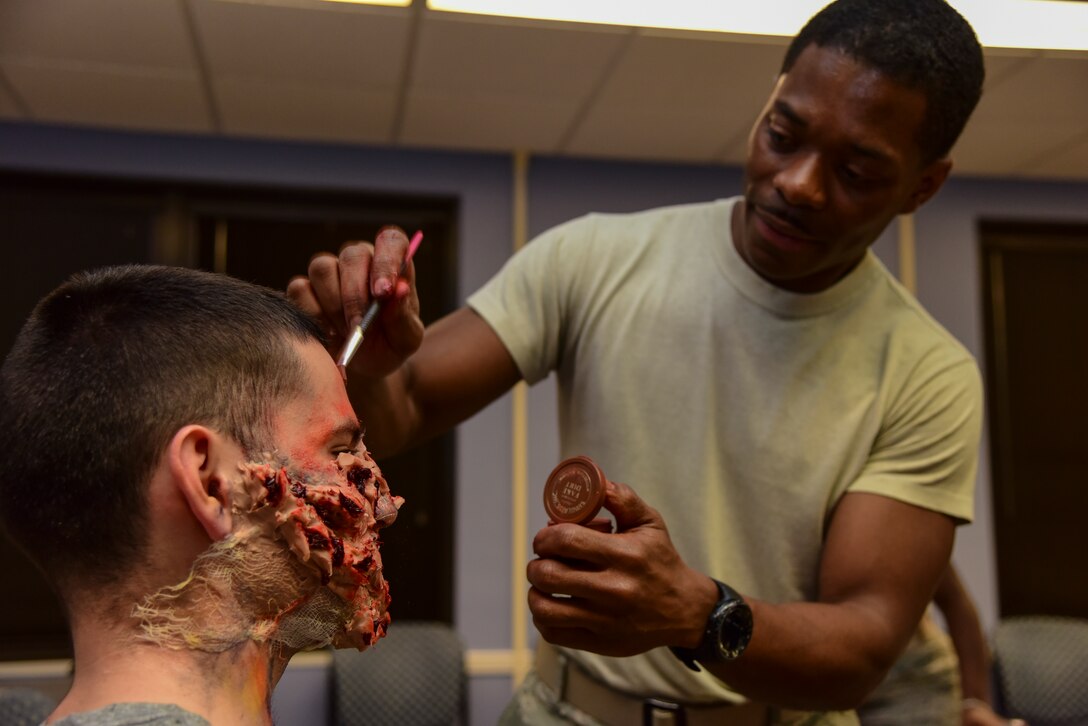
(390, 3)
(1047, 24)
(1044, 24)
(781, 17)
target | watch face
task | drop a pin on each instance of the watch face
(735, 629)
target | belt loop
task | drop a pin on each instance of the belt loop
(652, 706)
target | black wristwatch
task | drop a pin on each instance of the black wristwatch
(728, 630)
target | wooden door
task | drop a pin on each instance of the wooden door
(1035, 283)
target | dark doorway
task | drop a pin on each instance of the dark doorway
(53, 226)
(1035, 286)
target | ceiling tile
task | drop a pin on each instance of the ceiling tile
(1031, 103)
(1067, 161)
(705, 75)
(488, 122)
(1002, 63)
(1041, 90)
(681, 98)
(735, 151)
(333, 45)
(1006, 146)
(475, 58)
(299, 111)
(9, 108)
(147, 33)
(162, 101)
(655, 133)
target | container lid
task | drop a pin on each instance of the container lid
(574, 491)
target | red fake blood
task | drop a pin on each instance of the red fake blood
(337, 551)
(317, 540)
(327, 515)
(349, 506)
(298, 489)
(359, 476)
(275, 490)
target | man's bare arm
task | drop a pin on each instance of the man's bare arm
(879, 568)
(460, 368)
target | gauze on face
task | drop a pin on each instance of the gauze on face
(301, 568)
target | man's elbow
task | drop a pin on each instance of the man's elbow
(862, 679)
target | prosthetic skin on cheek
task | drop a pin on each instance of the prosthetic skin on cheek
(301, 568)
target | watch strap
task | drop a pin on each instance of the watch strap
(708, 649)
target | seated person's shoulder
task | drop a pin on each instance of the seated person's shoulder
(134, 714)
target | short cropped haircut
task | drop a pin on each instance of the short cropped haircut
(924, 45)
(106, 370)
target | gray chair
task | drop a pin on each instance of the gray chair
(1041, 670)
(414, 676)
(24, 706)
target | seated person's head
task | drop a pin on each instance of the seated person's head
(183, 462)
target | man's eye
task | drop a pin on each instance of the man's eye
(860, 177)
(779, 140)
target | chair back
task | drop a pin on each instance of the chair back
(414, 676)
(24, 706)
(1041, 669)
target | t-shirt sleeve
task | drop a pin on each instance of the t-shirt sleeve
(926, 453)
(526, 302)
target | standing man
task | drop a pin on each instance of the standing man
(801, 434)
(184, 466)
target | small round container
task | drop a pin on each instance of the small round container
(575, 491)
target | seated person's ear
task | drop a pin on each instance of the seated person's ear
(204, 465)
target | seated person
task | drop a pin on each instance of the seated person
(186, 469)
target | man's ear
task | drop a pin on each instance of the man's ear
(931, 180)
(201, 462)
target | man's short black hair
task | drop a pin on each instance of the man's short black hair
(922, 44)
(106, 370)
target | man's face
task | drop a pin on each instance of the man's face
(833, 158)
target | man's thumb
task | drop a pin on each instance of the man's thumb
(628, 508)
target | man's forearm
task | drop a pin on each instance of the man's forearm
(461, 367)
(811, 656)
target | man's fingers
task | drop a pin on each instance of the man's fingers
(568, 622)
(575, 542)
(301, 293)
(555, 576)
(390, 248)
(354, 270)
(629, 508)
(324, 276)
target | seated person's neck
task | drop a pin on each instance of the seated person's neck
(113, 665)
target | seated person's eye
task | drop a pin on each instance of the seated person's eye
(337, 450)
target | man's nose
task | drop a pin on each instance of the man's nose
(801, 182)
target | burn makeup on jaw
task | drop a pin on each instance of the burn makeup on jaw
(302, 566)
